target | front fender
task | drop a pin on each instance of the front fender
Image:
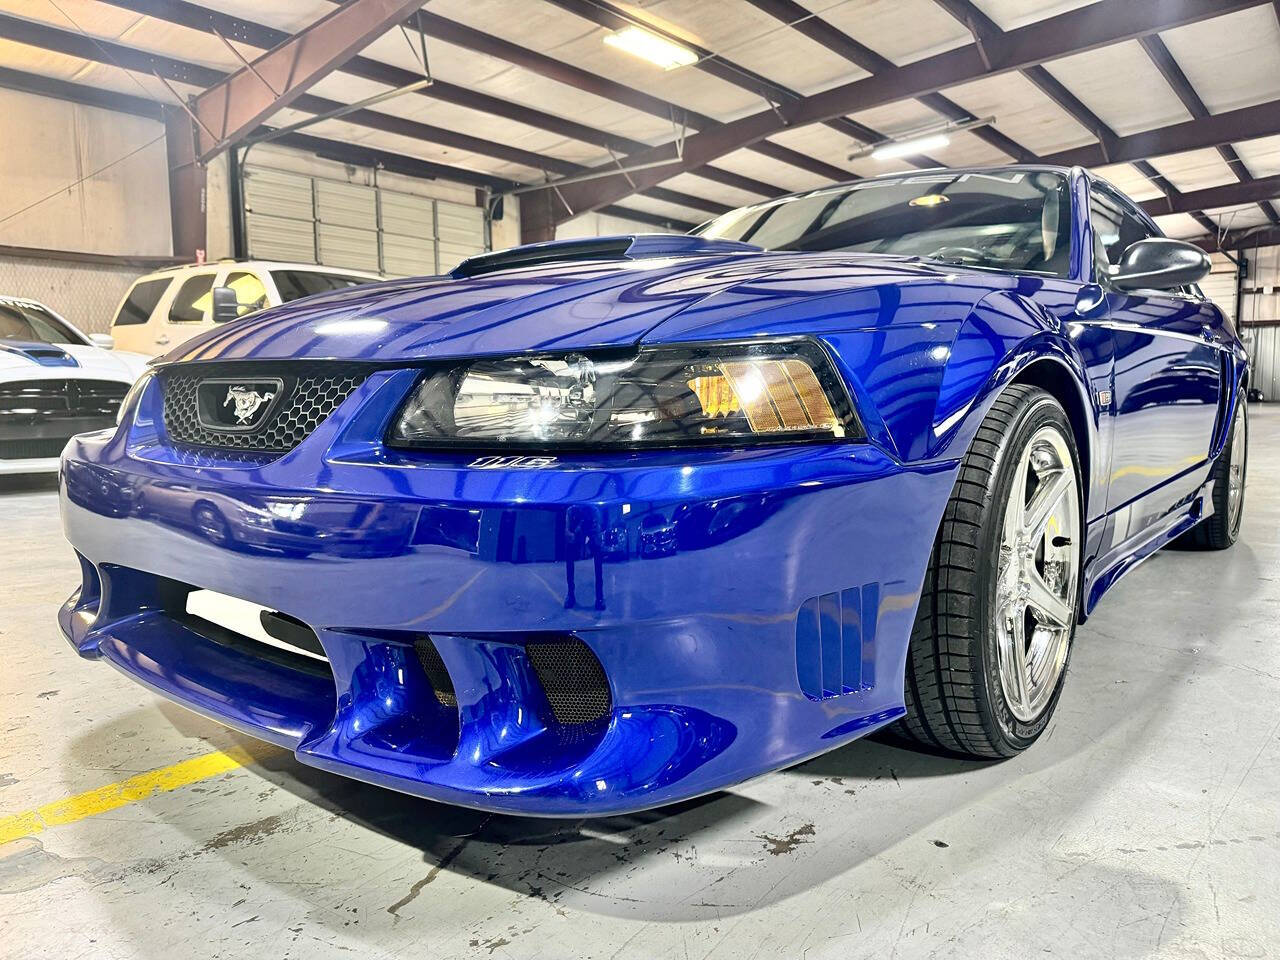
(1003, 335)
(923, 389)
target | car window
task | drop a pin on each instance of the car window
(1000, 219)
(28, 323)
(193, 300)
(251, 293)
(141, 302)
(294, 284)
(1115, 226)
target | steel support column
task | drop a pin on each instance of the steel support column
(188, 193)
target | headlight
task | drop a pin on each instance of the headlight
(133, 393)
(660, 396)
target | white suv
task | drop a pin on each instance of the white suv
(165, 308)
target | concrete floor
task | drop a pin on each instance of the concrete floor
(1146, 822)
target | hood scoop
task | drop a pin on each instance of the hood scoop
(636, 247)
(42, 353)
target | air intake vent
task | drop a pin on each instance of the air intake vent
(575, 685)
(599, 248)
(835, 642)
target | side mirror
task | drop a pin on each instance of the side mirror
(1159, 263)
(104, 341)
(226, 306)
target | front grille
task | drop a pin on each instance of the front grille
(60, 398)
(575, 685)
(32, 449)
(310, 397)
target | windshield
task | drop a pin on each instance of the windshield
(27, 323)
(1006, 220)
(295, 284)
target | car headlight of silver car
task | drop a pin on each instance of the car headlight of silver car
(765, 391)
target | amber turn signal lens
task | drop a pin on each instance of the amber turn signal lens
(773, 395)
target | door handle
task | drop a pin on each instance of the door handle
(162, 340)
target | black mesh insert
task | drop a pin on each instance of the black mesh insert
(575, 685)
(310, 397)
(437, 675)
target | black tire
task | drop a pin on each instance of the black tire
(955, 702)
(1220, 530)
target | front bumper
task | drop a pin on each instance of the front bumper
(748, 608)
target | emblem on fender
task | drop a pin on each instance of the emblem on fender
(247, 402)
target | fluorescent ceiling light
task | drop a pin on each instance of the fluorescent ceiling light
(651, 47)
(904, 148)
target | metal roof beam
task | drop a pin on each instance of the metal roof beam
(1231, 126)
(987, 31)
(196, 17)
(460, 35)
(1173, 75)
(611, 16)
(229, 109)
(128, 58)
(1099, 24)
(1264, 236)
(837, 41)
(1227, 195)
(349, 153)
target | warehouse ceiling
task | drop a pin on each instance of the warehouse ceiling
(526, 90)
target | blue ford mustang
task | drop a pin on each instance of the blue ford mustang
(597, 525)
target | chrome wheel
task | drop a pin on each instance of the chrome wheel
(1235, 470)
(1038, 566)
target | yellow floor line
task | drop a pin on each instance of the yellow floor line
(116, 795)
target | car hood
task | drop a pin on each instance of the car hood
(20, 360)
(580, 305)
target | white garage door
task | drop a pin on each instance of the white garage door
(460, 233)
(408, 233)
(279, 218)
(291, 216)
(346, 225)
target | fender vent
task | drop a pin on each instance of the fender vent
(575, 685)
(835, 642)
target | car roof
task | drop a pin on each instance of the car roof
(267, 265)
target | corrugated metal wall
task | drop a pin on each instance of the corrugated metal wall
(1261, 301)
(1260, 319)
(1220, 285)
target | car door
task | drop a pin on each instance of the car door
(190, 310)
(1168, 378)
(133, 327)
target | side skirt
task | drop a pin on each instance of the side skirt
(1106, 570)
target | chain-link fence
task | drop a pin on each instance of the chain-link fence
(85, 293)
